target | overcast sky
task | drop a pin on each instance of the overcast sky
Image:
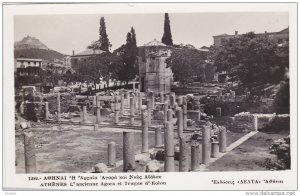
(65, 33)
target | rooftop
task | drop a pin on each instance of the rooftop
(155, 43)
(88, 52)
(28, 59)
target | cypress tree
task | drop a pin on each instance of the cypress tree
(103, 38)
(167, 36)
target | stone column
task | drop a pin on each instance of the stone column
(128, 151)
(46, 111)
(167, 98)
(152, 99)
(219, 111)
(140, 102)
(170, 115)
(255, 127)
(29, 151)
(133, 86)
(145, 144)
(206, 146)
(184, 117)
(195, 156)
(158, 137)
(111, 154)
(98, 117)
(166, 107)
(84, 114)
(161, 95)
(169, 148)
(172, 99)
(117, 110)
(179, 114)
(122, 103)
(223, 138)
(179, 101)
(215, 149)
(131, 110)
(94, 104)
(149, 112)
(58, 106)
(183, 155)
(22, 107)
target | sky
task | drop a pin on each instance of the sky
(65, 33)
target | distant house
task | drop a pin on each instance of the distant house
(153, 74)
(281, 37)
(67, 60)
(28, 66)
(77, 57)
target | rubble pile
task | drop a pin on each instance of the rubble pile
(281, 148)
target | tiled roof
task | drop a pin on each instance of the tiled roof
(155, 43)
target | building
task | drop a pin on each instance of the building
(67, 60)
(153, 74)
(76, 58)
(28, 67)
(280, 37)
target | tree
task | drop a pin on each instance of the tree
(103, 38)
(105, 65)
(128, 52)
(252, 60)
(186, 64)
(167, 36)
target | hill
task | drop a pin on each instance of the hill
(30, 43)
(45, 54)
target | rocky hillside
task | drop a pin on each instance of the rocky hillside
(31, 47)
(30, 43)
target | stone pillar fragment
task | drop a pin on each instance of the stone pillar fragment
(84, 114)
(170, 115)
(128, 151)
(46, 111)
(179, 115)
(180, 101)
(98, 111)
(255, 127)
(145, 144)
(111, 154)
(215, 149)
(58, 107)
(183, 155)
(169, 148)
(172, 99)
(122, 103)
(195, 156)
(184, 107)
(149, 112)
(29, 151)
(223, 138)
(131, 110)
(22, 107)
(166, 107)
(206, 146)
(140, 102)
(161, 95)
(158, 137)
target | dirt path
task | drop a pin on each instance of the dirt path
(249, 156)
